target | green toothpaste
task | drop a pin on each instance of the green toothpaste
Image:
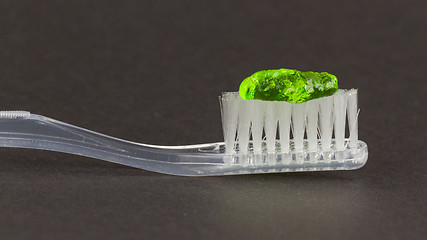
(288, 85)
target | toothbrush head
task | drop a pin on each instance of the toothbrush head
(297, 136)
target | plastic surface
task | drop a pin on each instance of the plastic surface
(25, 130)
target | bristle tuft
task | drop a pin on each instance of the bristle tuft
(256, 124)
(284, 116)
(257, 114)
(312, 123)
(326, 121)
(340, 107)
(270, 126)
(298, 126)
(229, 112)
(352, 112)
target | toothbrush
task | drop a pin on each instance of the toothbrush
(256, 149)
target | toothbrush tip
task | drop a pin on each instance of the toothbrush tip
(14, 114)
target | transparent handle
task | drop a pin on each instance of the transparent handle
(39, 132)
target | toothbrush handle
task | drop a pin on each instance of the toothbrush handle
(25, 130)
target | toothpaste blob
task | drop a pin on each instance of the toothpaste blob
(288, 85)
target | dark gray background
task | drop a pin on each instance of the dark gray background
(151, 71)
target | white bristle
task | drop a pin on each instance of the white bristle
(244, 125)
(229, 113)
(320, 119)
(298, 126)
(257, 113)
(284, 113)
(312, 123)
(326, 119)
(352, 117)
(271, 126)
(340, 106)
